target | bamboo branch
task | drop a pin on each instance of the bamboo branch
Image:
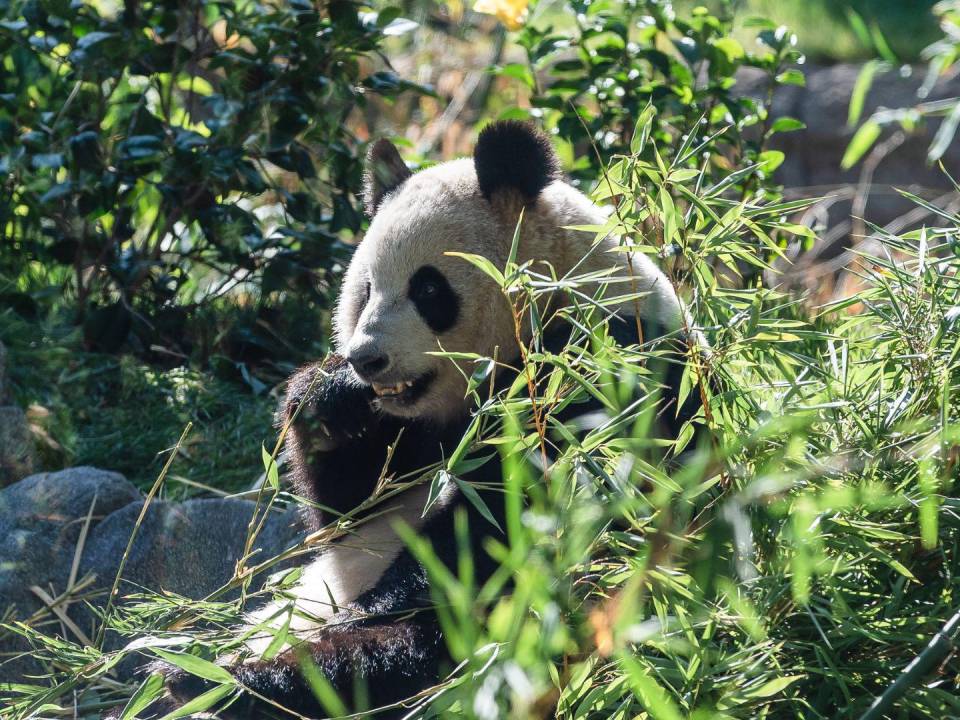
(939, 647)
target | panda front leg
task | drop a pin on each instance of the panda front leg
(337, 441)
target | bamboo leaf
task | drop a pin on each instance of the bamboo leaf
(150, 689)
(861, 142)
(196, 666)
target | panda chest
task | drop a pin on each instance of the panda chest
(355, 562)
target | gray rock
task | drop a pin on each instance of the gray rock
(851, 200)
(813, 155)
(41, 518)
(16, 445)
(40, 521)
(189, 548)
(823, 106)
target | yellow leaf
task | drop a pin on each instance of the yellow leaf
(511, 13)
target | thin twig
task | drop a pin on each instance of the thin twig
(101, 632)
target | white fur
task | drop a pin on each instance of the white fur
(343, 571)
(441, 210)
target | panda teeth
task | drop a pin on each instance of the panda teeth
(392, 389)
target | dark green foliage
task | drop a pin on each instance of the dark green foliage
(156, 159)
(847, 30)
(595, 70)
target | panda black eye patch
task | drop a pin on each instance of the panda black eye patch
(434, 299)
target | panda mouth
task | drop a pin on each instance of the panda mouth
(404, 392)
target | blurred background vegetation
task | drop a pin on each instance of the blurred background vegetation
(827, 35)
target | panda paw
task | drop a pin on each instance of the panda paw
(328, 405)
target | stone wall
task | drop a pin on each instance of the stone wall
(814, 154)
(868, 192)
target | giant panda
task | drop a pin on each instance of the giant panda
(384, 406)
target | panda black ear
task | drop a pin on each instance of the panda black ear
(385, 171)
(514, 154)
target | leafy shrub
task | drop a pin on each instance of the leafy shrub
(594, 67)
(160, 157)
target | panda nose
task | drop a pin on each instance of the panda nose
(368, 364)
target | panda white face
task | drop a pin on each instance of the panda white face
(404, 297)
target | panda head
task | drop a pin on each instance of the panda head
(403, 296)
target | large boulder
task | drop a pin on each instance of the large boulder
(813, 154)
(189, 548)
(853, 199)
(41, 518)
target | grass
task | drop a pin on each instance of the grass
(796, 566)
(119, 413)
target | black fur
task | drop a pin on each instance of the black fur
(388, 646)
(384, 172)
(333, 413)
(514, 155)
(435, 300)
(383, 662)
